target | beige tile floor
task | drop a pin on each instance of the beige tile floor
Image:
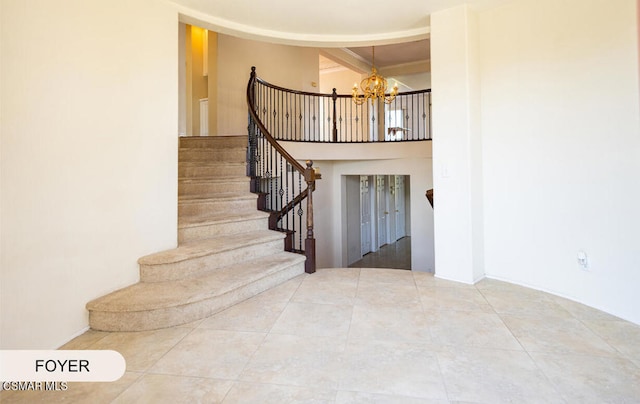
(375, 336)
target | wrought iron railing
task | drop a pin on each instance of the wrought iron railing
(278, 114)
(285, 186)
(334, 118)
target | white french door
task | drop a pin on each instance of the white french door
(382, 212)
(401, 230)
(365, 215)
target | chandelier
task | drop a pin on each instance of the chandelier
(373, 87)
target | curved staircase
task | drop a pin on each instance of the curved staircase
(225, 252)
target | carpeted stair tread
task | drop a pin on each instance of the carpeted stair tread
(230, 141)
(207, 149)
(202, 248)
(211, 164)
(213, 218)
(225, 255)
(207, 169)
(150, 296)
(222, 196)
(198, 180)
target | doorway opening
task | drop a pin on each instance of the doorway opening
(197, 81)
(378, 217)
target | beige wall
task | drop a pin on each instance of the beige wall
(88, 157)
(457, 147)
(341, 80)
(535, 109)
(561, 148)
(555, 147)
(283, 65)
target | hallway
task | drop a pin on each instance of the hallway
(395, 255)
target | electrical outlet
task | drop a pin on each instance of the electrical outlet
(583, 262)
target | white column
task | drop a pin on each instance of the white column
(457, 147)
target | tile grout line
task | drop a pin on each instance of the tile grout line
(266, 335)
(535, 363)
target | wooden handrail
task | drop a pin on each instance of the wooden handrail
(288, 90)
(308, 173)
(263, 129)
(429, 195)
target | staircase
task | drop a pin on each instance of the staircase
(225, 252)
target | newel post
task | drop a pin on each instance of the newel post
(310, 177)
(334, 97)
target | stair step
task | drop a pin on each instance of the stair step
(149, 306)
(225, 254)
(212, 186)
(192, 228)
(234, 155)
(213, 141)
(191, 205)
(218, 178)
(211, 169)
(199, 257)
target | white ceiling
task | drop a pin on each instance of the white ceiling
(345, 29)
(327, 23)
(396, 54)
(405, 63)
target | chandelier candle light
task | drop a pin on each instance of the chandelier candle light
(373, 87)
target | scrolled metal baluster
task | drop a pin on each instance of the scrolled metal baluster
(429, 114)
(334, 100)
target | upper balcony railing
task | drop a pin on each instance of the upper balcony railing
(299, 116)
